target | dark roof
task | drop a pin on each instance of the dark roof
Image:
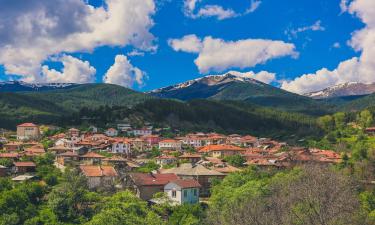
(189, 183)
(146, 179)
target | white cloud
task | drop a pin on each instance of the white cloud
(191, 10)
(218, 55)
(123, 73)
(189, 43)
(357, 69)
(73, 71)
(32, 31)
(293, 33)
(254, 5)
(263, 76)
(216, 11)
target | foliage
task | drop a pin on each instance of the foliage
(124, 208)
(235, 160)
(148, 167)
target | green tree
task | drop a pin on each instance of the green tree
(187, 215)
(235, 160)
(327, 123)
(340, 119)
(365, 118)
(124, 208)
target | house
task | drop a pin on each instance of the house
(121, 146)
(68, 157)
(165, 160)
(183, 191)
(73, 132)
(115, 160)
(22, 178)
(221, 150)
(189, 157)
(24, 167)
(34, 150)
(92, 158)
(151, 139)
(58, 149)
(28, 131)
(370, 130)
(3, 171)
(12, 156)
(145, 185)
(141, 132)
(198, 172)
(124, 127)
(170, 144)
(13, 146)
(111, 132)
(99, 176)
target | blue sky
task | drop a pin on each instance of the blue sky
(319, 30)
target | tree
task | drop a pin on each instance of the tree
(310, 195)
(340, 119)
(235, 160)
(124, 208)
(365, 118)
(327, 123)
(186, 214)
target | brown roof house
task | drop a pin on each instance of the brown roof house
(92, 158)
(99, 176)
(145, 185)
(198, 172)
(24, 167)
(28, 131)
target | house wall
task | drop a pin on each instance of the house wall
(93, 182)
(147, 192)
(24, 133)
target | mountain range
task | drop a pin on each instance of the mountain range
(219, 95)
(343, 90)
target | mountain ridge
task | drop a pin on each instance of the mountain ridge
(344, 89)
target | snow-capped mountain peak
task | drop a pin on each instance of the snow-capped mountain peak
(15, 86)
(344, 89)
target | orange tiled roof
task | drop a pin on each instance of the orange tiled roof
(146, 179)
(24, 164)
(98, 171)
(27, 125)
(92, 155)
(169, 140)
(188, 183)
(210, 148)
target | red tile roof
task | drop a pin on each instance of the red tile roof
(189, 183)
(92, 155)
(27, 125)
(210, 148)
(98, 171)
(9, 155)
(146, 179)
(24, 164)
(168, 141)
(69, 154)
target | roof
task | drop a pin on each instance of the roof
(24, 164)
(147, 179)
(73, 129)
(210, 148)
(92, 155)
(69, 154)
(165, 157)
(98, 171)
(115, 158)
(189, 183)
(27, 125)
(189, 170)
(227, 169)
(111, 129)
(9, 155)
(22, 178)
(169, 140)
(187, 155)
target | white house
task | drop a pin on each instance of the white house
(141, 132)
(183, 191)
(170, 144)
(111, 132)
(122, 147)
(124, 126)
(165, 160)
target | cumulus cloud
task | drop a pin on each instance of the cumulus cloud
(34, 30)
(263, 76)
(73, 71)
(218, 55)
(189, 43)
(123, 73)
(293, 33)
(191, 10)
(357, 69)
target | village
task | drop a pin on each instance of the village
(145, 162)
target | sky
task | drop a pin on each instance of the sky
(298, 45)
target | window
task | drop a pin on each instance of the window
(185, 193)
(195, 192)
(173, 194)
